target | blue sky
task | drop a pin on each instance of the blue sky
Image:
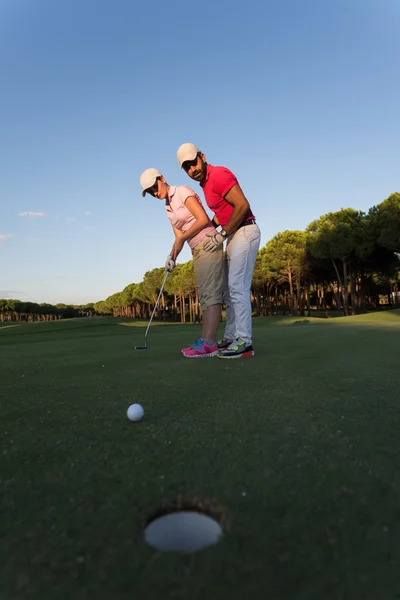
(299, 99)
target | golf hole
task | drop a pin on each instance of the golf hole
(183, 529)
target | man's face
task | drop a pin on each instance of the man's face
(196, 169)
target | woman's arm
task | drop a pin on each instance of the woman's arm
(199, 214)
(202, 219)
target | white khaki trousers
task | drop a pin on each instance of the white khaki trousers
(241, 253)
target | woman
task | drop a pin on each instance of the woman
(191, 224)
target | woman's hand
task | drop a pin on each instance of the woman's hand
(177, 247)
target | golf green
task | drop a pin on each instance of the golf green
(298, 447)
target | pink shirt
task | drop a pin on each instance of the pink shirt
(218, 182)
(181, 217)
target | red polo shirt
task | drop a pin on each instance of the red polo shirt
(218, 182)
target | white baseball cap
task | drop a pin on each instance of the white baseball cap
(148, 179)
(186, 152)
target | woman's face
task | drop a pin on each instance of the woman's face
(159, 189)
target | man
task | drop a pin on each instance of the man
(233, 213)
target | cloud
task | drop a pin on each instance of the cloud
(31, 215)
(9, 293)
(88, 212)
(5, 236)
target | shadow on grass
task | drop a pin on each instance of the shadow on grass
(144, 323)
(55, 327)
(8, 326)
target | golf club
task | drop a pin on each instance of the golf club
(145, 347)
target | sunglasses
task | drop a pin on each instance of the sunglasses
(190, 163)
(153, 189)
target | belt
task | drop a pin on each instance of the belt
(249, 222)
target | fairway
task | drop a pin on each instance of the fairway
(299, 447)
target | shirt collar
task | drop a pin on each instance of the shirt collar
(171, 192)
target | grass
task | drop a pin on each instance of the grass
(300, 446)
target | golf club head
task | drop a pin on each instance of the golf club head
(141, 347)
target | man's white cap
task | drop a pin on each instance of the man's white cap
(148, 179)
(186, 152)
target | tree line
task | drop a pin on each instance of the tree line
(16, 310)
(346, 261)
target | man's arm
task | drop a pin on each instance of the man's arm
(240, 205)
(215, 221)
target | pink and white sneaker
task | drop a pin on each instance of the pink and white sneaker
(190, 347)
(201, 350)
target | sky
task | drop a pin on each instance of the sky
(298, 98)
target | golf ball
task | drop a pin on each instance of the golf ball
(135, 412)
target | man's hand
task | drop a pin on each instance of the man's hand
(169, 264)
(213, 242)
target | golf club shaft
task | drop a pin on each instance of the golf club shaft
(156, 304)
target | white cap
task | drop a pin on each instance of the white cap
(148, 179)
(186, 152)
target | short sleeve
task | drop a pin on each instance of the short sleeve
(186, 192)
(223, 180)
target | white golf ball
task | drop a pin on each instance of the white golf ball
(135, 412)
